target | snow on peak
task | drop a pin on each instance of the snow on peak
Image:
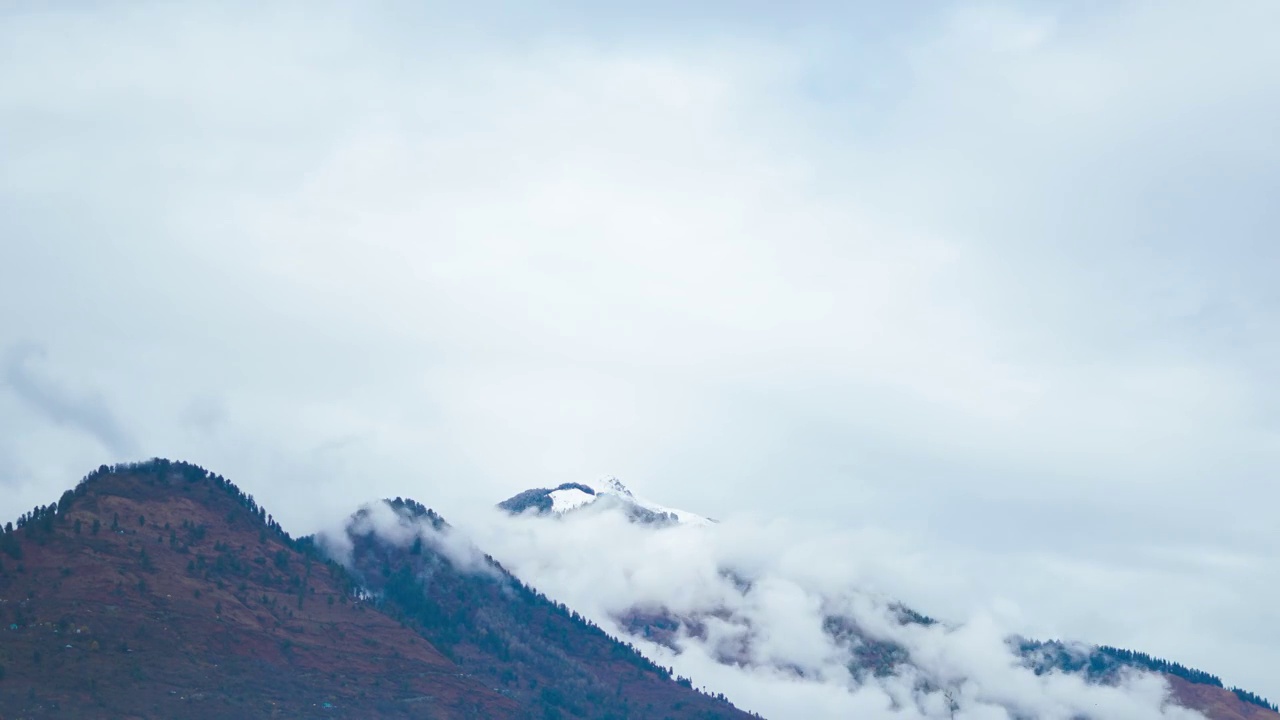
(569, 497)
(609, 493)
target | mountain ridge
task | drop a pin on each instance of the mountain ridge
(185, 598)
(160, 589)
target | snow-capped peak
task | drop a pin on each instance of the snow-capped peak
(608, 493)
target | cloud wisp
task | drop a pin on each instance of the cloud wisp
(85, 411)
(400, 528)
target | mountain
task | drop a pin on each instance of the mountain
(691, 593)
(160, 589)
(411, 564)
(609, 495)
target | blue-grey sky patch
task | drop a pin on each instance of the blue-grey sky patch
(47, 397)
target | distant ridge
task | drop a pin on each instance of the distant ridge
(1100, 664)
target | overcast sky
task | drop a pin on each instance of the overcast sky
(997, 278)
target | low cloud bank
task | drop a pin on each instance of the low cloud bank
(785, 621)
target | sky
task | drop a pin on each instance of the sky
(994, 279)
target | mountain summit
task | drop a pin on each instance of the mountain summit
(608, 495)
(160, 589)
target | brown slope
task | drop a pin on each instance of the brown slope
(196, 607)
(1217, 703)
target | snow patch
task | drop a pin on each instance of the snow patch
(569, 499)
(613, 486)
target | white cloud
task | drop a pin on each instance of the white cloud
(764, 644)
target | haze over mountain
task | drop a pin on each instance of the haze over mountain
(791, 624)
(976, 298)
(399, 614)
